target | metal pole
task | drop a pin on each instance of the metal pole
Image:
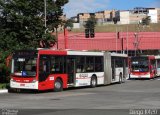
(57, 37)
(136, 43)
(122, 45)
(127, 39)
(45, 25)
(56, 27)
(66, 37)
(116, 38)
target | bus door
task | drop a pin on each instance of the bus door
(44, 68)
(124, 68)
(71, 70)
(152, 68)
(113, 68)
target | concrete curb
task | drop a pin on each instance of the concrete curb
(4, 91)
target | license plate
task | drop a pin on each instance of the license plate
(22, 84)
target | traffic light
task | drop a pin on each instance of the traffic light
(92, 33)
(87, 33)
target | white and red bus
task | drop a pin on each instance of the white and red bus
(157, 65)
(54, 69)
(143, 67)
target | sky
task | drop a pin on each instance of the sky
(73, 7)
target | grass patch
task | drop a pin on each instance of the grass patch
(123, 28)
(4, 85)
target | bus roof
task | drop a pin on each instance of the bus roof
(73, 52)
(145, 56)
(157, 57)
(91, 53)
(118, 54)
(69, 52)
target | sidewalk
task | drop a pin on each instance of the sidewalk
(3, 91)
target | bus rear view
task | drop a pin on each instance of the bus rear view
(23, 72)
(142, 67)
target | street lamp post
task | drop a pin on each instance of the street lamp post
(45, 25)
(45, 15)
(136, 43)
(56, 27)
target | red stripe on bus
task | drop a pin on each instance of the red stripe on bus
(52, 52)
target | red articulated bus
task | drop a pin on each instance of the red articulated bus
(55, 69)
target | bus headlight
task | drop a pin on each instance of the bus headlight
(12, 80)
(34, 80)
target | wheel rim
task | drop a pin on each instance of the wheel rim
(58, 85)
(93, 82)
(120, 78)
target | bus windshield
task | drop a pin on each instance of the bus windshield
(139, 64)
(24, 67)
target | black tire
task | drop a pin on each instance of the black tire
(123, 79)
(120, 78)
(11, 90)
(58, 85)
(93, 82)
(129, 77)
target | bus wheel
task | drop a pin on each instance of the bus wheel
(120, 78)
(93, 82)
(58, 85)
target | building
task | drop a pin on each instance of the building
(101, 16)
(134, 16)
(153, 14)
(158, 12)
(83, 17)
(105, 16)
(124, 17)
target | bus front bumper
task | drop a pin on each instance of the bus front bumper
(18, 85)
(140, 76)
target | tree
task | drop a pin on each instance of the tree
(115, 20)
(24, 20)
(90, 24)
(146, 20)
(22, 24)
(54, 13)
(69, 24)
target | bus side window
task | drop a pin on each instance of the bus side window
(33, 68)
(80, 64)
(98, 64)
(45, 66)
(57, 64)
(53, 68)
(79, 69)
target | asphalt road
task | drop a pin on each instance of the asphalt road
(134, 97)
